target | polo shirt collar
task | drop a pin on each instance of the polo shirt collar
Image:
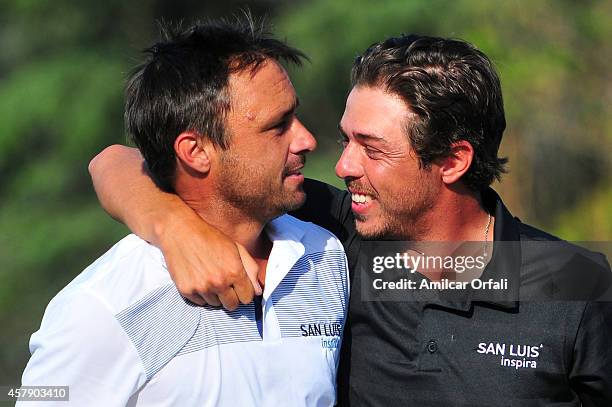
(505, 262)
(506, 259)
(287, 248)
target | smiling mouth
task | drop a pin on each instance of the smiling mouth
(361, 198)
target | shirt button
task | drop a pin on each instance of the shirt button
(432, 346)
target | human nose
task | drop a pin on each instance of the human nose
(304, 141)
(348, 165)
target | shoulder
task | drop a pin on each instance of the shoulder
(128, 271)
(568, 271)
(553, 247)
(125, 297)
(80, 343)
(531, 233)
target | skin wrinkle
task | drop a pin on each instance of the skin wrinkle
(410, 201)
(248, 182)
(374, 111)
(258, 108)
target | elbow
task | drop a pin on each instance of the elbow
(101, 157)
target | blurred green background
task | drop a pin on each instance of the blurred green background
(62, 70)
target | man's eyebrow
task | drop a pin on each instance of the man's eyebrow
(368, 137)
(293, 108)
(362, 136)
(284, 115)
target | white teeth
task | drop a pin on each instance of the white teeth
(359, 198)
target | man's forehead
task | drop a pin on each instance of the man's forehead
(373, 111)
(268, 74)
(263, 91)
(376, 98)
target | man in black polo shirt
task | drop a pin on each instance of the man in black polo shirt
(421, 132)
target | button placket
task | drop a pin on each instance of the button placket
(432, 346)
(429, 359)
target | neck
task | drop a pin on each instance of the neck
(458, 215)
(241, 229)
(238, 224)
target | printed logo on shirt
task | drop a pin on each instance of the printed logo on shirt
(331, 343)
(329, 332)
(321, 329)
(513, 356)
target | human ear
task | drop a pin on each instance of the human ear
(194, 151)
(457, 163)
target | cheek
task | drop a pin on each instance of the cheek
(384, 178)
(276, 159)
(275, 149)
(269, 155)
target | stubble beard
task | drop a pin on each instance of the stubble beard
(403, 219)
(249, 189)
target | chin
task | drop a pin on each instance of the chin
(377, 229)
(368, 230)
(294, 202)
(299, 200)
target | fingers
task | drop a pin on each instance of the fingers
(229, 291)
(243, 289)
(252, 269)
(229, 299)
(229, 283)
(198, 297)
(243, 280)
(195, 299)
(211, 299)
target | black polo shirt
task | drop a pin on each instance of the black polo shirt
(462, 351)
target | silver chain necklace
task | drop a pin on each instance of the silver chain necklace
(486, 235)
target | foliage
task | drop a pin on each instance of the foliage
(61, 78)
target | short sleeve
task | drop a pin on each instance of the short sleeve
(80, 344)
(591, 371)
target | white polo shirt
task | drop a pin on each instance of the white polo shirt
(120, 333)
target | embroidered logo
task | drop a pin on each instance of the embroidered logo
(512, 355)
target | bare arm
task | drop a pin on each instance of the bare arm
(206, 266)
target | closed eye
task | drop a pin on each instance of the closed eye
(372, 152)
(284, 125)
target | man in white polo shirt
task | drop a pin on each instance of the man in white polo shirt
(213, 113)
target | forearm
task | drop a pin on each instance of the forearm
(129, 195)
(203, 262)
